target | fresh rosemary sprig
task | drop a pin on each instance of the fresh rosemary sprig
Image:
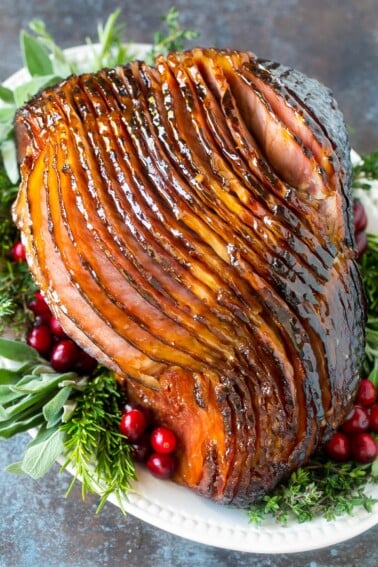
(95, 449)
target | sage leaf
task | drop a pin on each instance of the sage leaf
(68, 410)
(42, 383)
(6, 95)
(62, 68)
(61, 65)
(45, 369)
(77, 384)
(7, 114)
(32, 403)
(9, 428)
(7, 395)
(374, 469)
(52, 410)
(15, 350)
(3, 414)
(15, 468)
(42, 453)
(8, 377)
(36, 58)
(373, 377)
(5, 129)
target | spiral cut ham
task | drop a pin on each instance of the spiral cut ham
(190, 226)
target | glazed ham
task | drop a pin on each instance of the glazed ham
(190, 226)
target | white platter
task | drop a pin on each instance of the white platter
(178, 511)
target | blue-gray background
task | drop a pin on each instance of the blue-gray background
(335, 41)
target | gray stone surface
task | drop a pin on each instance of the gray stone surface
(336, 42)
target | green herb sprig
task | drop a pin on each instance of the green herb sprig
(95, 449)
(173, 39)
(321, 488)
(32, 395)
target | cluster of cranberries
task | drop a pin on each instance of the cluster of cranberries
(355, 439)
(152, 444)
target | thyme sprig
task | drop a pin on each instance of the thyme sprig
(173, 38)
(321, 488)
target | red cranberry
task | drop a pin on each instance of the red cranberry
(161, 466)
(39, 320)
(56, 328)
(357, 422)
(86, 364)
(64, 356)
(367, 393)
(163, 440)
(363, 448)
(40, 338)
(142, 449)
(133, 424)
(373, 418)
(39, 306)
(360, 218)
(18, 252)
(147, 412)
(338, 447)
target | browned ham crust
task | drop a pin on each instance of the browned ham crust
(190, 226)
